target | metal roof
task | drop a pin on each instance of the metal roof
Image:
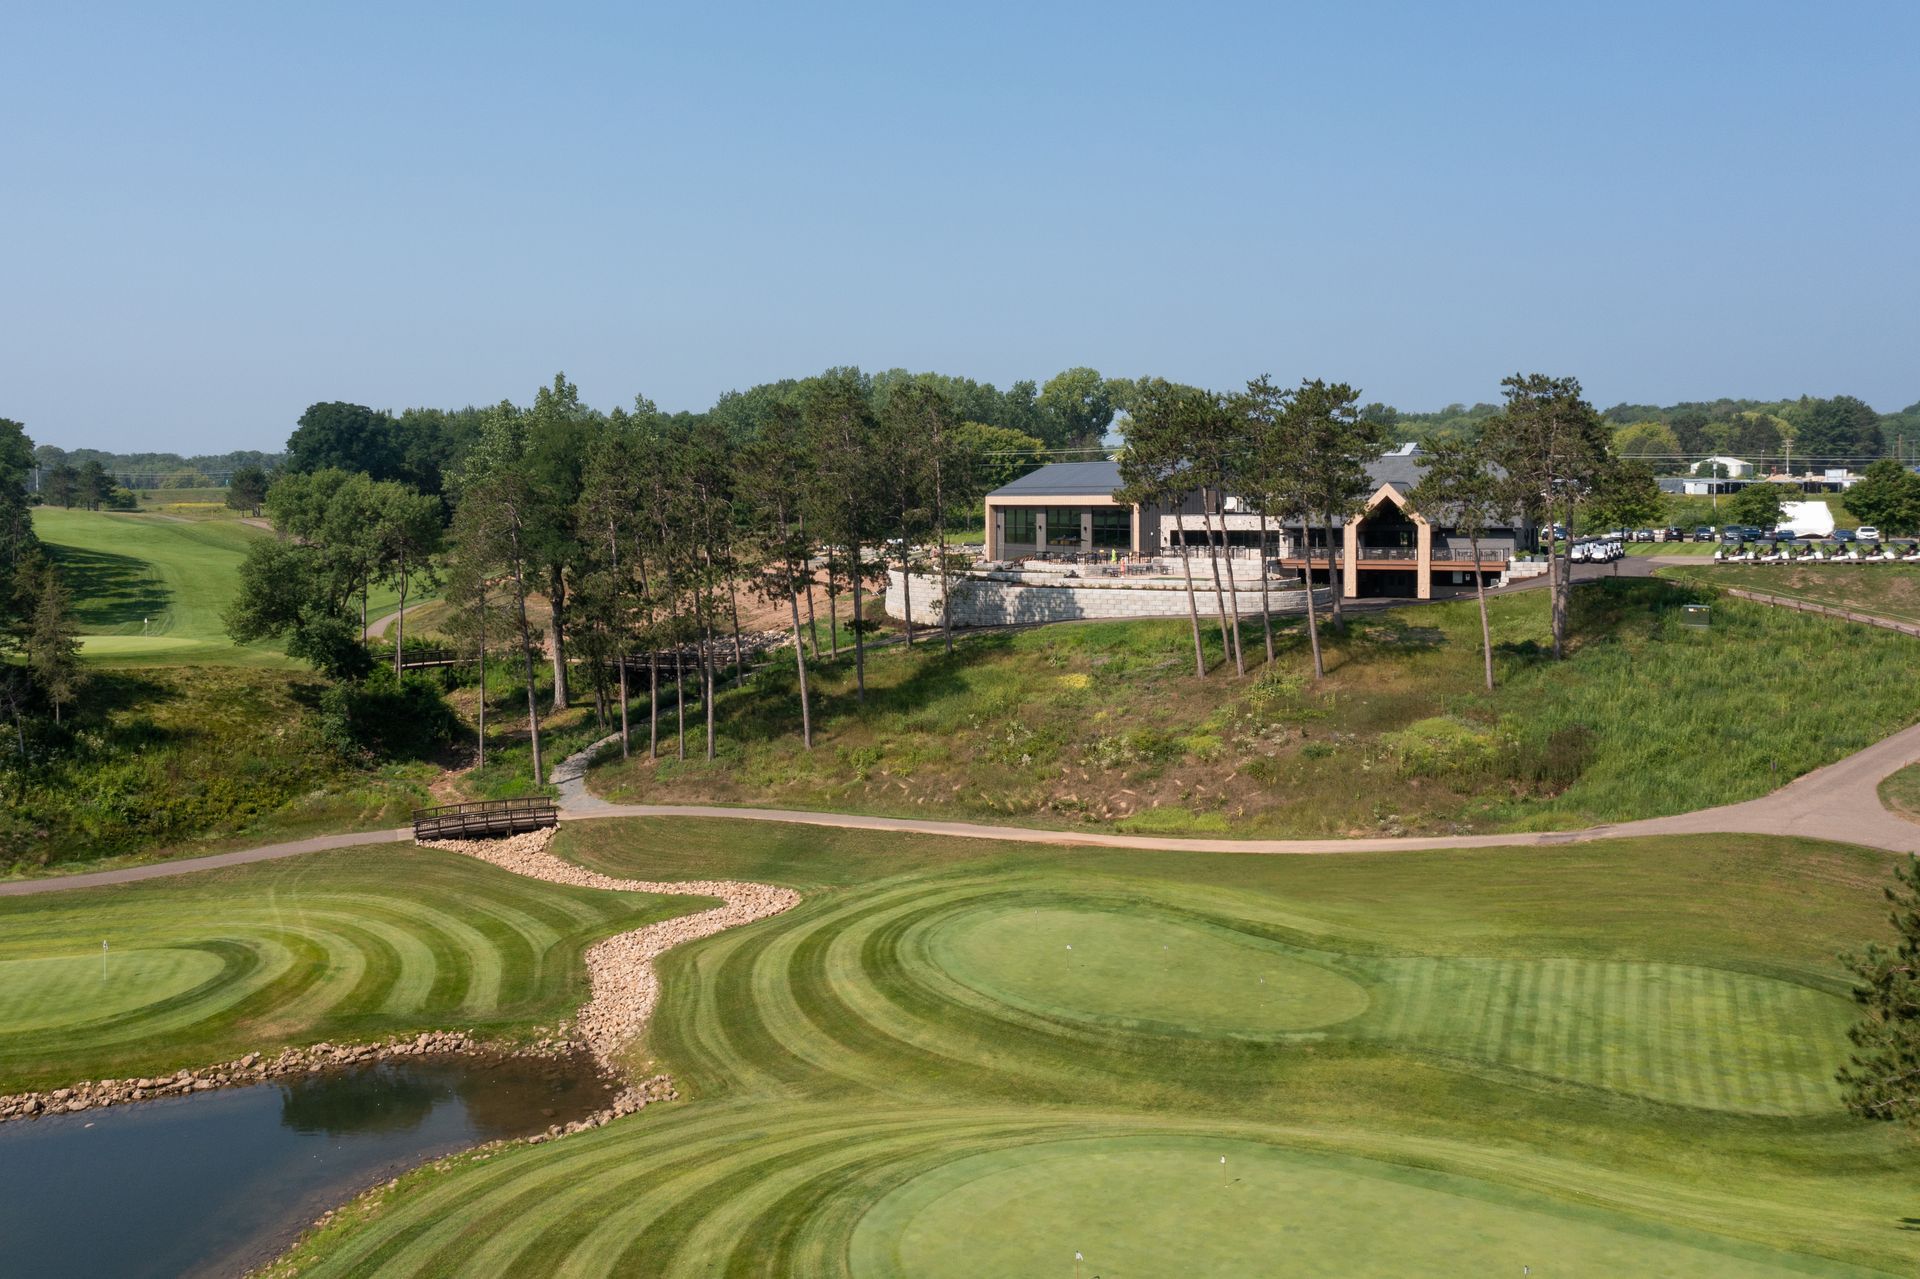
(1065, 479)
(1400, 468)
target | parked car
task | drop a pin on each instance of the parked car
(1671, 534)
(1844, 535)
(1867, 533)
(1732, 533)
(1704, 533)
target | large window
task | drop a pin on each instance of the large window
(1063, 526)
(1020, 525)
(1113, 527)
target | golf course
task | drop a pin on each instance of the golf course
(149, 589)
(963, 1057)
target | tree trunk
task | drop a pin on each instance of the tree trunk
(526, 653)
(806, 562)
(800, 664)
(1266, 606)
(859, 633)
(1193, 609)
(707, 648)
(619, 634)
(1560, 585)
(833, 608)
(1335, 580)
(1480, 588)
(1313, 614)
(480, 750)
(739, 653)
(813, 626)
(557, 596)
(940, 549)
(400, 624)
(679, 705)
(906, 581)
(1230, 638)
(653, 664)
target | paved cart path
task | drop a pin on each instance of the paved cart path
(1840, 802)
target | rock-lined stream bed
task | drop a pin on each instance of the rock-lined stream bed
(215, 1183)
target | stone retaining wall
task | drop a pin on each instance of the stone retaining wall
(1004, 599)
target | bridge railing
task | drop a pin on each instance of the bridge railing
(485, 818)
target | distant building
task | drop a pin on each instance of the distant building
(1727, 468)
(1067, 509)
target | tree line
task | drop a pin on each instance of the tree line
(40, 672)
(640, 532)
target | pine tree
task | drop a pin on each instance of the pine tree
(1882, 1081)
(49, 642)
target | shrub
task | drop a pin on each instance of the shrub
(1442, 747)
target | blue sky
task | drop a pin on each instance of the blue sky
(212, 216)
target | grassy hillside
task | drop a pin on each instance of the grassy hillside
(959, 1058)
(1104, 725)
(1885, 590)
(149, 589)
(360, 944)
(189, 758)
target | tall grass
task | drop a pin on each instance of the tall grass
(1100, 724)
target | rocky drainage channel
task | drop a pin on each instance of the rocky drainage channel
(620, 970)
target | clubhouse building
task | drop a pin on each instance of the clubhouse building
(1067, 511)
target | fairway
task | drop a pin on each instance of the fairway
(150, 590)
(356, 944)
(1594, 1061)
(1160, 1206)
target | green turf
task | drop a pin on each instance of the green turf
(1170, 1205)
(1683, 1033)
(1604, 1059)
(150, 589)
(356, 944)
(1901, 792)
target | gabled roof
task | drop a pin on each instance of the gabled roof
(1065, 479)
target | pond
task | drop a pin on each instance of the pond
(217, 1183)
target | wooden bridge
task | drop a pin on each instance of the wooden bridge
(485, 818)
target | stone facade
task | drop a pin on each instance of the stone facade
(1002, 599)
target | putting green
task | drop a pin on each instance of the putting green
(1143, 969)
(42, 994)
(1168, 1206)
(1182, 968)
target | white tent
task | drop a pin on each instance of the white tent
(1807, 519)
